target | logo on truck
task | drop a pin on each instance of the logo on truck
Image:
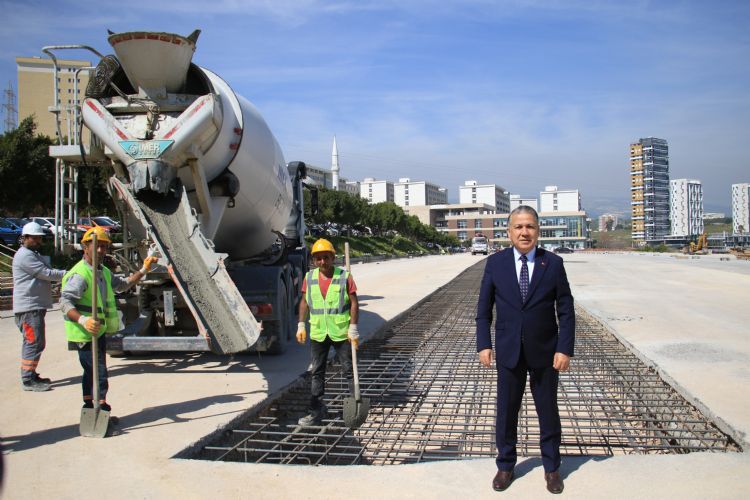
(145, 150)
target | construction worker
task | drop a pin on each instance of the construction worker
(32, 296)
(330, 297)
(75, 303)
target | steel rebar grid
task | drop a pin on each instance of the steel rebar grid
(431, 400)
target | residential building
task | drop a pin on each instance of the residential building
(686, 207)
(376, 191)
(516, 200)
(321, 177)
(416, 193)
(464, 220)
(36, 93)
(553, 199)
(741, 208)
(649, 190)
(487, 194)
(608, 222)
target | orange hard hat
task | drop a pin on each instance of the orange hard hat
(101, 235)
(323, 245)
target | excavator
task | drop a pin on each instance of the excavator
(699, 246)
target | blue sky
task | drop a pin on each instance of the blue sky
(521, 93)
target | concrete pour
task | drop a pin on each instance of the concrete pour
(685, 316)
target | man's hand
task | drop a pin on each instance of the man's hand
(90, 324)
(148, 262)
(485, 357)
(353, 336)
(301, 332)
(561, 362)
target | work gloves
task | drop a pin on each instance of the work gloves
(147, 263)
(353, 336)
(301, 332)
(90, 324)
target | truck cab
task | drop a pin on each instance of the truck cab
(479, 244)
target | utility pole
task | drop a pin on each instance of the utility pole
(9, 108)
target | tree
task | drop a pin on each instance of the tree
(27, 173)
(385, 216)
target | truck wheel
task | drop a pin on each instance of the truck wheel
(281, 328)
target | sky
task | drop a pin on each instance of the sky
(519, 93)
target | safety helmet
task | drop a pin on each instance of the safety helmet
(32, 229)
(101, 234)
(322, 245)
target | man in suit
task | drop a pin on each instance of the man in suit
(534, 334)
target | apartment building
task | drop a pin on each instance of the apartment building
(686, 207)
(553, 199)
(741, 208)
(487, 194)
(516, 201)
(649, 190)
(376, 191)
(36, 92)
(418, 193)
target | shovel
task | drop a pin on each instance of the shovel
(94, 421)
(356, 407)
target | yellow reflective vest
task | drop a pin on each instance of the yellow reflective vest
(106, 310)
(329, 316)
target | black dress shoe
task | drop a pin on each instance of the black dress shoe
(502, 480)
(554, 482)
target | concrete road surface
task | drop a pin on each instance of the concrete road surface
(687, 316)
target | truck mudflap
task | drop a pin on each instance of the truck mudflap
(196, 269)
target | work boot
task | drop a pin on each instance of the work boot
(35, 385)
(315, 417)
(41, 379)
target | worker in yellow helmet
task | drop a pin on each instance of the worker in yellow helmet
(330, 297)
(76, 301)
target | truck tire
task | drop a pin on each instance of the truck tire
(282, 327)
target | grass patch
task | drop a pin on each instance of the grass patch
(374, 245)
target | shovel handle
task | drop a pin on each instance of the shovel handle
(94, 307)
(356, 373)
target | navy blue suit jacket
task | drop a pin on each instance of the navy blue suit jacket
(545, 322)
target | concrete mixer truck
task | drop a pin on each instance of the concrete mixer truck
(201, 182)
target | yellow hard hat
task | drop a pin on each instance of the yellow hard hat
(101, 235)
(322, 245)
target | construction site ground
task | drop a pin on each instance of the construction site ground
(685, 316)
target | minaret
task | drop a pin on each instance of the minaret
(335, 166)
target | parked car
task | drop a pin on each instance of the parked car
(20, 222)
(563, 250)
(104, 220)
(86, 223)
(47, 223)
(10, 234)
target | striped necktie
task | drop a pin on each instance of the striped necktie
(523, 282)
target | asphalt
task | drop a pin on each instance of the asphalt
(685, 317)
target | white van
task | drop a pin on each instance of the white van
(479, 245)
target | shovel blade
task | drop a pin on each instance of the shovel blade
(355, 411)
(94, 422)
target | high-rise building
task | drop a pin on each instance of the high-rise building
(649, 190)
(516, 201)
(36, 92)
(407, 192)
(741, 208)
(375, 191)
(686, 207)
(558, 200)
(487, 194)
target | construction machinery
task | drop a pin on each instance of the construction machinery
(200, 181)
(699, 246)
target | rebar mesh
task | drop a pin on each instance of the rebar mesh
(431, 400)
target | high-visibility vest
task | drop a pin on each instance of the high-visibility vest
(106, 311)
(329, 316)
